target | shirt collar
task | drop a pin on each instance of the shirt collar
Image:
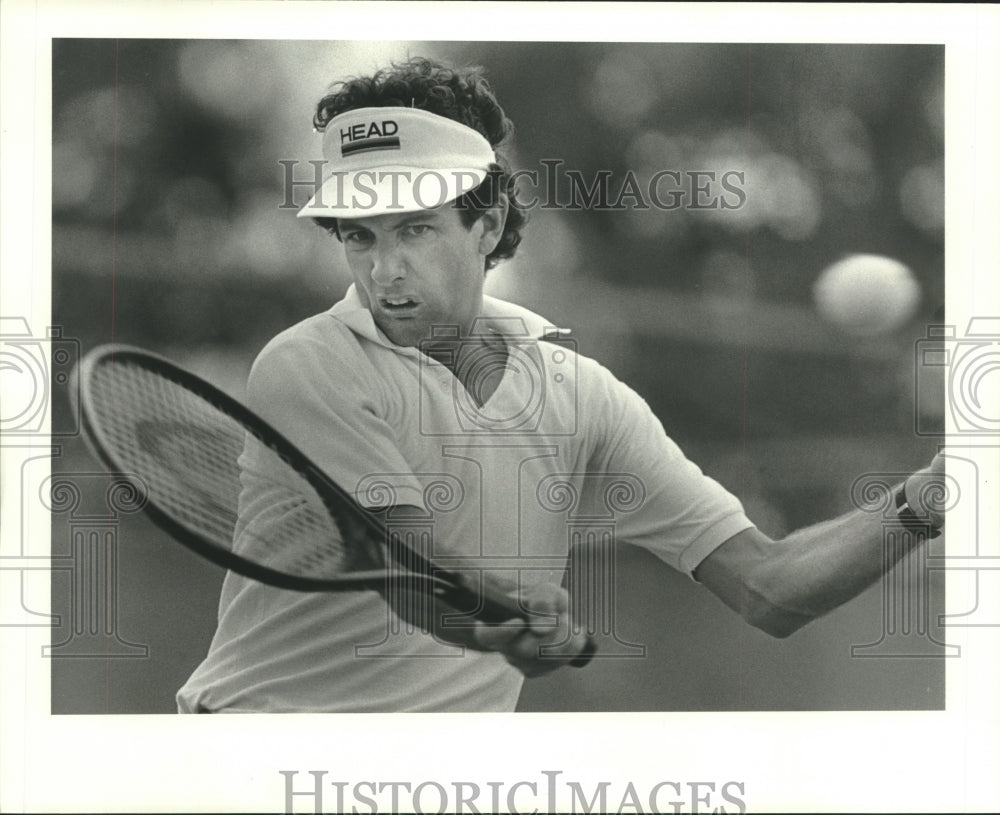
(508, 319)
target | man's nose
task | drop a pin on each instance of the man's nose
(388, 264)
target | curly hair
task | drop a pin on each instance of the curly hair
(462, 95)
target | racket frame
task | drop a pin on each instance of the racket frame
(437, 580)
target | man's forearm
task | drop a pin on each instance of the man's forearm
(816, 569)
(779, 586)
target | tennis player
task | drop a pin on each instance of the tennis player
(481, 430)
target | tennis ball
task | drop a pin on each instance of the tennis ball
(867, 294)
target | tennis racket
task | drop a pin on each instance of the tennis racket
(193, 452)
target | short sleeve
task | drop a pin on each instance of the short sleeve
(325, 398)
(683, 514)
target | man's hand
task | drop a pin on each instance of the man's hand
(550, 625)
(927, 491)
(520, 641)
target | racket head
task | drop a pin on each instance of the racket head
(184, 445)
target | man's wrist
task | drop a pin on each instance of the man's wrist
(911, 515)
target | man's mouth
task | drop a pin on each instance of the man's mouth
(396, 303)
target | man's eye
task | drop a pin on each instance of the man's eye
(417, 229)
(358, 237)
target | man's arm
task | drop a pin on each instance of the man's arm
(779, 586)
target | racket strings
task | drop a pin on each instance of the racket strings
(202, 467)
(186, 457)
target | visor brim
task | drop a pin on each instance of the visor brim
(389, 190)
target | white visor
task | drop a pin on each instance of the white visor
(386, 160)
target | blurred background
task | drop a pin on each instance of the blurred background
(781, 382)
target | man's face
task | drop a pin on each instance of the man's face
(420, 269)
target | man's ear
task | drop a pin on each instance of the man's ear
(493, 222)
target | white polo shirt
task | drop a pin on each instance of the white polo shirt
(562, 451)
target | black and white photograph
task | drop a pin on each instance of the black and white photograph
(632, 385)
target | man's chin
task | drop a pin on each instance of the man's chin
(403, 334)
